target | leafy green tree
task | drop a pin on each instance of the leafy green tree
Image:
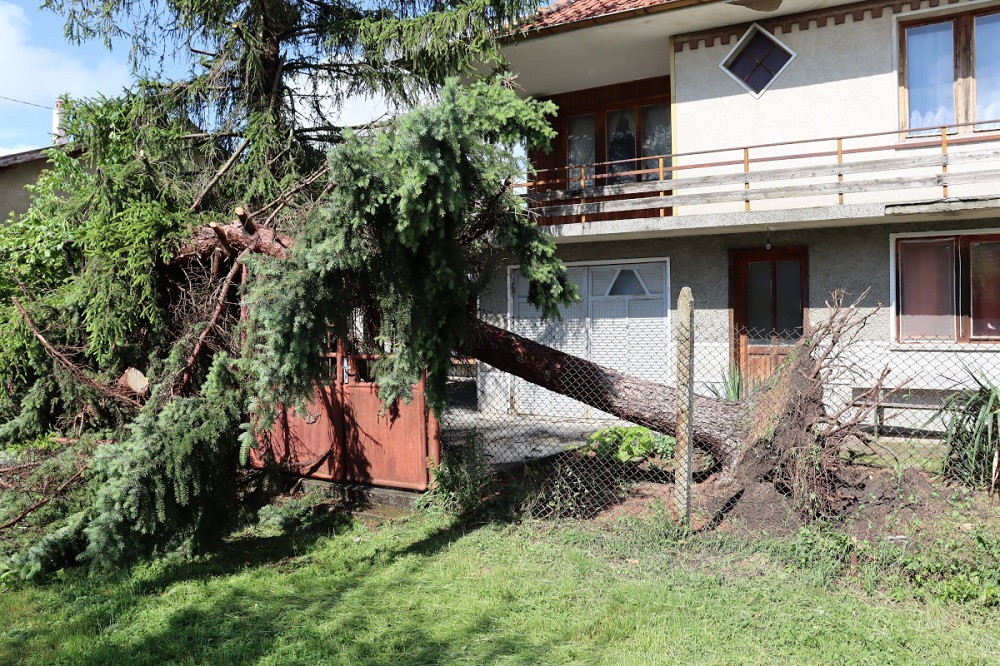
(130, 260)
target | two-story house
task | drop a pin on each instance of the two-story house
(766, 153)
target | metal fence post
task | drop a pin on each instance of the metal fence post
(685, 403)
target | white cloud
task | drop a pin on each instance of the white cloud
(38, 74)
(362, 110)
(5, 150)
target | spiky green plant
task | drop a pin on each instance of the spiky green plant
(973, 433)
(733, 385)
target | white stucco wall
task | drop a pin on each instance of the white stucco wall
(855, 261)
(843, 82)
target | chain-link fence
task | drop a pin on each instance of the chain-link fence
(848, 422)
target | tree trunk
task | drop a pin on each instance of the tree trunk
(231, 239)
(718, 424)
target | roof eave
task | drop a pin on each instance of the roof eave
(611, 17)
(14, 159)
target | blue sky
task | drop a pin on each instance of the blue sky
(39, 65)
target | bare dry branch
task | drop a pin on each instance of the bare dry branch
(227, 284)
(45, 500)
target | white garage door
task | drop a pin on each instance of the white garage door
(621, 322)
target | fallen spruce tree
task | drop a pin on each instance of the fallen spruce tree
(169, 457)
(781, 432)
(147, 336)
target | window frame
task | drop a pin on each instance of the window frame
(739, 261)
(599, 101)
(602, 175)
(963, 77)
(737, 49)
(961, 283)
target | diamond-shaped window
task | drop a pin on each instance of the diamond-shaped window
(757, 60)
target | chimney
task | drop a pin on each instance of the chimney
(58, 131)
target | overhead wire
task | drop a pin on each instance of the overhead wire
(21, 101)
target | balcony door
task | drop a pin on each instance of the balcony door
(768, 294)
(607, 136)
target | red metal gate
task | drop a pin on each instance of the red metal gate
(346, 436)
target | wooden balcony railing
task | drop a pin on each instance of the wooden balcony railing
(845, 169)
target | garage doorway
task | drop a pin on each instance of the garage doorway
(621, 321)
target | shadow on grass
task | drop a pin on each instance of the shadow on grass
(277, 599)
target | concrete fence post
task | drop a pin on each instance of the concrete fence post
(685, 405)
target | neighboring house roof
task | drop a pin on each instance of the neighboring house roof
(20, 158)
(571, 11)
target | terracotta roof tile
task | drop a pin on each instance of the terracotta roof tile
(570, 11)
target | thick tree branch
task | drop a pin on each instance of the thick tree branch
(75, 371)
(232, 238)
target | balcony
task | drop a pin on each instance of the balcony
(866, 171)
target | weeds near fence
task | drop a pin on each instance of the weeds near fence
(630, 444)
(462, 482)
(311, 510)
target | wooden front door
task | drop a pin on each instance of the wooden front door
(768, 293)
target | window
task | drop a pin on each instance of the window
(946, 288)
(950, 73)
(627, 283)
(634, 132)
(757, 60)
(580, 149)
(621, 145)
(769, 299)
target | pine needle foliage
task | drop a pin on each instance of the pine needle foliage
(402, 218)
(417, 224)
(170, 484)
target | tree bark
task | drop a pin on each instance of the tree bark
(232, 239)
(718, 426)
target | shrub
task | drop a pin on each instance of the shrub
(310, 510)
(461, 483)
(630, 444)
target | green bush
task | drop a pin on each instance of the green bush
(973, 434)
(630, 444)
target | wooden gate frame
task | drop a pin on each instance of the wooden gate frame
(347, 435)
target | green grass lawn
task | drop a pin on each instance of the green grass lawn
(427, 590)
